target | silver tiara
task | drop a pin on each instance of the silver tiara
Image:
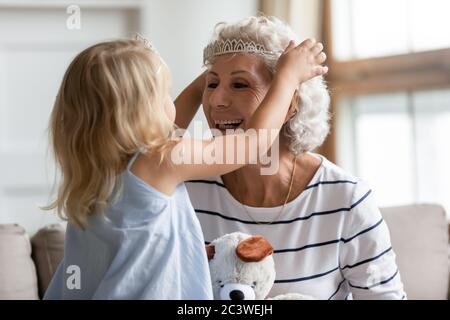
(145, 41)
(220, 47)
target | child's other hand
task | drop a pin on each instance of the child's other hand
(303, 62)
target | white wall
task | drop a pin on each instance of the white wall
(304, 16)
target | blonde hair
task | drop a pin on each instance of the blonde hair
(110, 105)
(310, 125)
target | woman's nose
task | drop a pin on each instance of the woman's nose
(220, 98)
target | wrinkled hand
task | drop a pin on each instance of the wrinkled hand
(303, 62)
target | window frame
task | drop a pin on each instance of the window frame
(426, 70)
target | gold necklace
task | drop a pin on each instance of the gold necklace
(285, 201)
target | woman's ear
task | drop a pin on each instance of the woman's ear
(293, 108)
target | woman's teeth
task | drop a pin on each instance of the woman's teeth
(227, 124)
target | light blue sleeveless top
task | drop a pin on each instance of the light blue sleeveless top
(150, 247)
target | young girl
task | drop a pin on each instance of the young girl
(132, 232)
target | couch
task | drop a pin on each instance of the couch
(419, 234)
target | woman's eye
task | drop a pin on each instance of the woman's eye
(212, 85)
(239, 85)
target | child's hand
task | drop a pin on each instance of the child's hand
(200, 82)
(302, 62)
(189, 100)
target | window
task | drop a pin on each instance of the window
(369, 28)
(400, 142)
(390, 84)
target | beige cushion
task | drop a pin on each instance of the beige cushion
(17, 272)
(48, 251)
(419, 235)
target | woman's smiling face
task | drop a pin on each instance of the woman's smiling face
(235, 86)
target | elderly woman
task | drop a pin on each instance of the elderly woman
(329, 238)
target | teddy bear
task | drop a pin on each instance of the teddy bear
(242, 268)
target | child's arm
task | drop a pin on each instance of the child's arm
(188, 101)
(296, 65)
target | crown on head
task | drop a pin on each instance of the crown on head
(148, 45)
(220, 47)
(145, 41)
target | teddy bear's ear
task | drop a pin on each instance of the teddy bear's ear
(254, 249)
(210, 251)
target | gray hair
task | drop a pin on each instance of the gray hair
(308, 128)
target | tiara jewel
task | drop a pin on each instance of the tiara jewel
(220, 47)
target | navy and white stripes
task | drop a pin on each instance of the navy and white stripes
(302, 218)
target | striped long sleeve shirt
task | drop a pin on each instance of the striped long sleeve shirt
(331, 241)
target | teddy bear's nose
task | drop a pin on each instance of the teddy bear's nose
(237, 295)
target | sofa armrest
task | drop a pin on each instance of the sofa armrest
(419, 235)
(18, 278)
(48, 251)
